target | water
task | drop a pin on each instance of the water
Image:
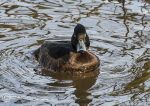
(120, 37)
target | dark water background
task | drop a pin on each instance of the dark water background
(120, 36)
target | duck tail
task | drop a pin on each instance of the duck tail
(36, 53)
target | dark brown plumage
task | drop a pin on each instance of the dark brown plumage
(66, 56)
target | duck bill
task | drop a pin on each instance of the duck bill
(81, 46)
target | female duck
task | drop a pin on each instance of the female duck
(66, 56)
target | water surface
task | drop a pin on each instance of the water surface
(119, 31)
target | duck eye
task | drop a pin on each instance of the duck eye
(74, 35)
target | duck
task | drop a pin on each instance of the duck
(68, 56)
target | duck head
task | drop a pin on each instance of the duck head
(80, 40)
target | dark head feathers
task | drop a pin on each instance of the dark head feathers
(79, 29)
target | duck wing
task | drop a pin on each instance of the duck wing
(57, 49)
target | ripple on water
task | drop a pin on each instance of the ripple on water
(20, 24)
(119, 34)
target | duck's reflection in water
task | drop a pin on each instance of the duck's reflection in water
(81, 82)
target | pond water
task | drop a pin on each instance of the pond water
(119, 31)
